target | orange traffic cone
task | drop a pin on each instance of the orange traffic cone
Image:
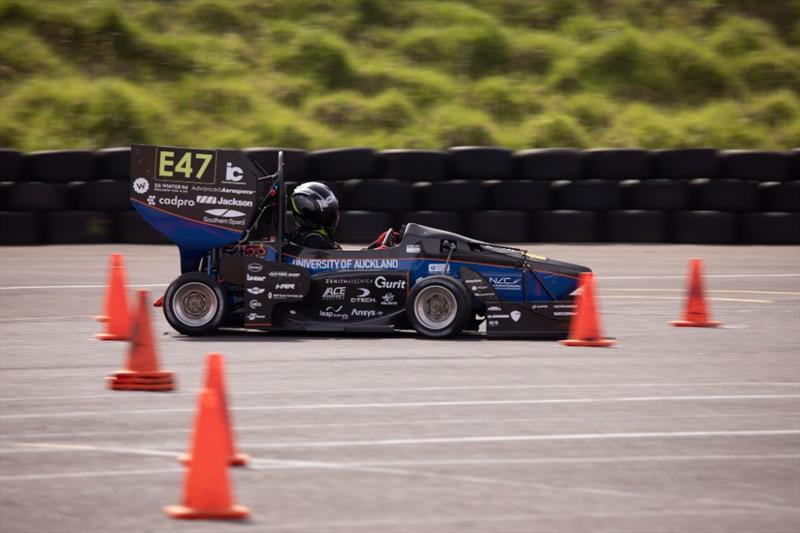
(206, 489)
(215, 380)
(696, 314)
(117, 313)
(584, 328)
(141, 372)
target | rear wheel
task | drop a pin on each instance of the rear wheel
(439, 307)
(195, 304)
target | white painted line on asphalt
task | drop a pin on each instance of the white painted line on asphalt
(792, 275)
(726, 291)
(389, 423)
(45, 318)
(580, 460)
(96, 473)
(519, 438)
(117, 412)
(713, 299)
(111, 395)
(47, 287)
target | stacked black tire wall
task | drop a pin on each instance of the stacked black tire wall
(694, 195)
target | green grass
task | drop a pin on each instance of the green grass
(388, 74)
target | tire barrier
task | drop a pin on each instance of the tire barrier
(72, 227)
(704, 227)
(412, 165)
(59, 166)
(635, 225)
(113, 163)
(692, 195)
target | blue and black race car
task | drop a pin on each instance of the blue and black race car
(228, 219)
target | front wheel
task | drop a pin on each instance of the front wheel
(438, 307)
(195, 304)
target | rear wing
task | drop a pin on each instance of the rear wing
(202, 199)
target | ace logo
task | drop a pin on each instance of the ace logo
(333, 293)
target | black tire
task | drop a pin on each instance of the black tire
(548, 164)
(413, 165)
(724, 195)
(295, 161)
(379, 195)
(685, 164)
(794, 164)
(755, 165)
(588, 195)
(518, 195)
(704, 227)
(343, 164)
(362, 226)
(60, 166)
(77, 227)
(565, 226)
(443, 220)
(499, 226)
(35, 196)
(453, 195)
(102, 195)
(10, 165)
(113, 164)
(635, 226)
(432, 297)
(656, 194)
(195, 304)
(481, 163)
(782, 196)
(617, 164)
(19, 228)
(771, 228)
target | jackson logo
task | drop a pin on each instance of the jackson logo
(255, 278)
(255, 290)
(224, 213)
(254, 303)
(233, 173)
(255, 268)
(382, 283)
(515, 315)
(333, 293)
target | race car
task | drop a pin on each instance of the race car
(238, 270)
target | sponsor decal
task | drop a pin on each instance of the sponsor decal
(362, 297)
(515, 315)
(225, 202)
(255, 316)
(255, 268)
(287, 286)
(224, 213)
(175, 201)
(506, 283)
(388, 299)
(333, 293)
(333, 312)
(254, 304)
(221, 190)
(249, 277)
(151, 200)
(347, 264)
(283, 274)
(365, 313)
(141, 185)
(497, 316)
(255, 290)
(438, 268)
(413, 249)
(382, 283)
(494, 323)
(493, 308)
(473, 281)
(348, 281)
(232, 173)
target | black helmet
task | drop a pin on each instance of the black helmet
(315, 207)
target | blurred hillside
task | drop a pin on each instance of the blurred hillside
(387, 74)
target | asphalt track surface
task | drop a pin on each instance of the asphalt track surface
(690, 430)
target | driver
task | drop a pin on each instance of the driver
(316, 210)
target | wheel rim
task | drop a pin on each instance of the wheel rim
(435, 307)
(195, 304)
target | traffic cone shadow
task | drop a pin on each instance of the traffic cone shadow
(141, 370)
(215, 380)
(584, 328)
(696, 314)
(117, 314)
(207, 490)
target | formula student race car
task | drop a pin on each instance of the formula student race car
(228, 218)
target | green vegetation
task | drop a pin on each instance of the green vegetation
(400, 73)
